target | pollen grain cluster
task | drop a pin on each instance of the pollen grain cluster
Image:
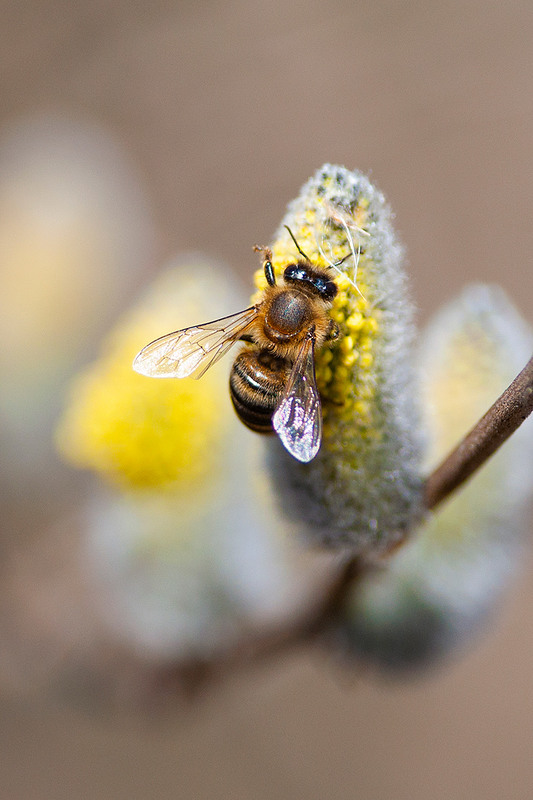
(344, 373)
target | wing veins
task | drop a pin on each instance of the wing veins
(194, 349)
(298, 417)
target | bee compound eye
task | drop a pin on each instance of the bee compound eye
(291, 272)
(330, 290)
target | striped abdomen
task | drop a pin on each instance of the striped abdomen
(256, 383)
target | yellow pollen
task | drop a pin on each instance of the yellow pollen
(354, 322)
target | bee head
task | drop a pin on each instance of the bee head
(305, 276)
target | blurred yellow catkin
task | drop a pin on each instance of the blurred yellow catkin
(185, 546)
(139, 433)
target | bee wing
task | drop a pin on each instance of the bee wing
(194, 349)
(298, 417)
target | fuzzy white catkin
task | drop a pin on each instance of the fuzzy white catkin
(439, 589)
(363, 489)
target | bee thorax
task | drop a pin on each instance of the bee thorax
(287, 316)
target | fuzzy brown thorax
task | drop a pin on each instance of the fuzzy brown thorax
(285, 316)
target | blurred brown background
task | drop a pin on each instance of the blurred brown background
(224, 109)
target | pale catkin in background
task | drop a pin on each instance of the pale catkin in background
(439, 588)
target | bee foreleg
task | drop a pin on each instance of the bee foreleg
(333, 331)
(269, 269)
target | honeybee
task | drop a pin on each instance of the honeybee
(272, 383)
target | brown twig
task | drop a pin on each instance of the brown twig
(500, 421)
(267, 643)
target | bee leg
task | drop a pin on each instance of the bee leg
(246, 337)
(269, 273)
(259, 248)
(333, 331)
(269, 269)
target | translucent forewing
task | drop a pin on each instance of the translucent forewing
(298, 417)
(192, 350)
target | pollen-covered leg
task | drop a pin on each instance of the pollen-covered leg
(333, 331)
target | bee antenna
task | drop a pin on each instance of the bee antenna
(297, 245)
(338, 263)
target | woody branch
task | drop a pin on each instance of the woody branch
(485, 438)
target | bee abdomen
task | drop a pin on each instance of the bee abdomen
(256, 383)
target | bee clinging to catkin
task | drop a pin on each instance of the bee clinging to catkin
(272, 382)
